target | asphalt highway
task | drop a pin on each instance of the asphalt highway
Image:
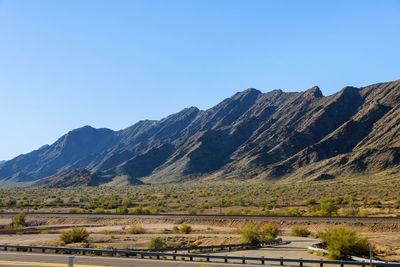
(50, 260)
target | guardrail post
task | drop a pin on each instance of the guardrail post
(262, 260)
(17, 249)
(174, 257)
(191, 258)
(342, 265)
(208, 259)
(43, 250)
(71, 261)
(229, 248)
(142, 256)
(243, 259)
(281, 261)
(5, 248)
(225, 259)
(158, 257)
(321, 264)
(301, 262)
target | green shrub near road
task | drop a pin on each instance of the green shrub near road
(256, 233)
(342, 242)
(157, 242)
(75, 235)
(300, 231)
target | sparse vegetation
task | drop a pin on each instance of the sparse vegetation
(344, 197)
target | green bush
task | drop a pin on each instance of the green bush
(185, 229)
(135, 229)
(327, 206)
(270, 231)
(75, 235)
(157, 242)
(300, 231)
(99, 210)
(18, 220)
(342, 242)
(256, 233)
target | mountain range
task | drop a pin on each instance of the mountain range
(273, 135)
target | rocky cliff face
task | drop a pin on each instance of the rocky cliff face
(251, 134)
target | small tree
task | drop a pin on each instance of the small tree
(157, 242)
(342, 242)
(75, 235)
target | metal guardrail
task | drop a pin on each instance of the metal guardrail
(228, 246)
(190, 257)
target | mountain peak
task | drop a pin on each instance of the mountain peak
(315, 91)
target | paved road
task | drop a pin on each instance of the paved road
(48, 260)
(292, 248)
(215, 217)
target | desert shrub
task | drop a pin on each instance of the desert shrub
(18, 222)
(139, 210)
(310, 201)
(256, 233)
(75, 235)
(327, 206)
(175, 229)
(19, 219)
(300, 231)
(185, 229)
(121, 210)
(135, 229)
(73, 210)
(157, 242)
(349, 211)
(363, 213)
(233, 212)
(342, 242)
(270, 231)
(99, 210)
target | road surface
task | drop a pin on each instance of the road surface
(49, 260)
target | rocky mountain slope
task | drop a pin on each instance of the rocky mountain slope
(301, 135)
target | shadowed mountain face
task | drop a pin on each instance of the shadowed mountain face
(2, 161)
(251, 134)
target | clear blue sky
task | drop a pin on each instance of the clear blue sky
(66, 64)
